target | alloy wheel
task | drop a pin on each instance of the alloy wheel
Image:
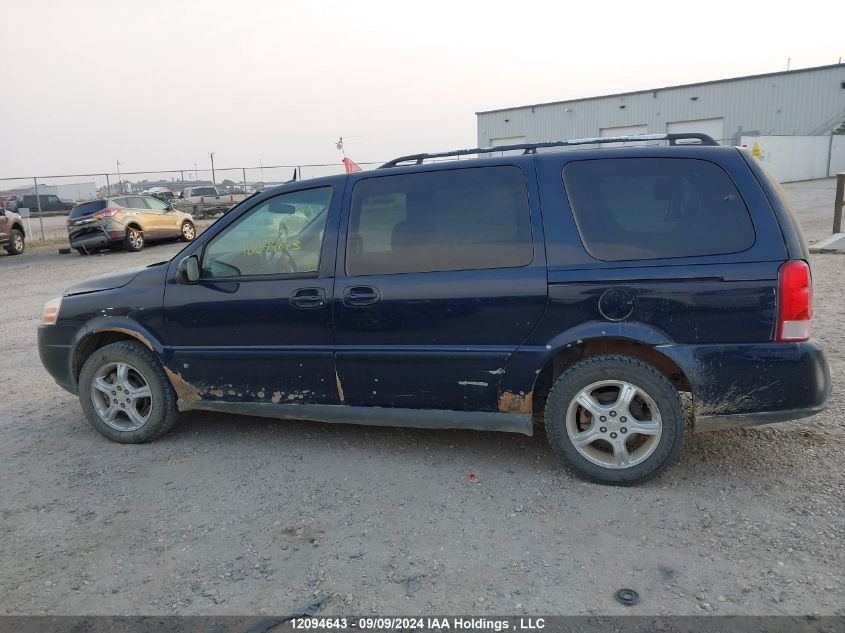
(121, 396)
(614, 424)
(136, 238)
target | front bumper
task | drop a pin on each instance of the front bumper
(750, 384)
(55, 354)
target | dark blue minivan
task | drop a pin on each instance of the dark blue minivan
(584, 290)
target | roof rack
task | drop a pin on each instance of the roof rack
(531, 148)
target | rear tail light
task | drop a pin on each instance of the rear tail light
(795, 301)
(106, 213)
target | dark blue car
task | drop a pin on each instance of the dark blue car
(584, 289)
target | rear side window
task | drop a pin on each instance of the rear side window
(654, 208)
(87, 208)
(460, 219)
(137, 202)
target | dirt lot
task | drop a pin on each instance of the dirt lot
(244, 515)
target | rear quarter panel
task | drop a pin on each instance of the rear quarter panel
(718, 300)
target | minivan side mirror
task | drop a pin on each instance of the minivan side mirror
(188, 270)
(169, 207)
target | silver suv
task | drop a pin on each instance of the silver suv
(126, 221)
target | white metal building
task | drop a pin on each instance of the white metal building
(69, 191)
(798, 103)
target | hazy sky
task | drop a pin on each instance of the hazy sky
(160, 83)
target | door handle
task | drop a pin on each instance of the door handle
(308, 298)
(359, 296)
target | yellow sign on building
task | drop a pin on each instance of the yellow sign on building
(755, 152)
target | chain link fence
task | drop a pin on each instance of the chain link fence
(41, 198)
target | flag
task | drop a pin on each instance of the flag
(118, 162)
(350, 165)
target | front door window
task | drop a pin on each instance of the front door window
(282, 235)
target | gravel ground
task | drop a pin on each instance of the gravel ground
(244, 515)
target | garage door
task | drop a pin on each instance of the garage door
(715, 128)
(507, 140)
(623, 130)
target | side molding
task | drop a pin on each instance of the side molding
(373, 416)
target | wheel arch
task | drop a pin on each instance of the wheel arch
(99, 334)
(564, 353)
(19, 227)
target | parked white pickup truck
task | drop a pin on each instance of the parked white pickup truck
(204, 201)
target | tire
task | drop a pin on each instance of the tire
(191, 231)
(155, 413)
(611, 450)
(82, 251)
(134, 240)
(17, 243)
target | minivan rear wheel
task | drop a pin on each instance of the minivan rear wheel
(125, 393)
(615, 419)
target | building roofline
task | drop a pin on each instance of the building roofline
(647, 90)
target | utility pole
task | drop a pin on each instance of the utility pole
(213, 179)
(38, 203)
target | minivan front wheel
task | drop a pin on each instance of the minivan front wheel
(125, 393)
(615, 419)
(134, 240)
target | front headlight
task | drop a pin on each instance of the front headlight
(50, 313)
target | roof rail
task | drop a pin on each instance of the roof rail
(531, 148)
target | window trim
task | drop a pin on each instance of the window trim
(270, 276)
(586, 248)
(348, 222)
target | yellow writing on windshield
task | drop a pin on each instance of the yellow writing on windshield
(273, 246)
